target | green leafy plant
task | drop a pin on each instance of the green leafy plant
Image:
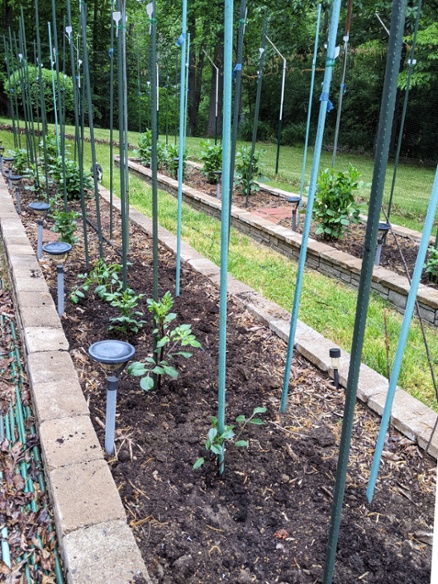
(215, 442)
(21, 160)
(246, 174)
(103, 277)
(126, 301)
(169, 344)
(65, 225)
(52, 147)
(72, 178)
(431, 265)
(144, 151)
(172, 163)
(211, 156)
(335, 206)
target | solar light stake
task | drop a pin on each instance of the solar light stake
(218, 174)
(334, 356)
(40, 209)
(295, 203)
(113, 356)
(15, 179)
(60, 250)
(383, 232)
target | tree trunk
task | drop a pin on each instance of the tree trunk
(196, 65)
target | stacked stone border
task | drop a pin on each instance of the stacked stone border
(320, 256)
(96, 543)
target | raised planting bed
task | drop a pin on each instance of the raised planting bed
(266, 518)
(324, 258)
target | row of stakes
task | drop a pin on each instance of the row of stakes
(114, 355)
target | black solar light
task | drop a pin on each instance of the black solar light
(334, 356)
(40, 209)
(218, 174)
(383, 232)
(15, 180)
(60, 250)
(295, 203)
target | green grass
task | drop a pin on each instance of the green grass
(326, 305)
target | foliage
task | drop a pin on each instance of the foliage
(52, 147)
(247, 173)
(21, 160)
(126, 302)
(431, 265)
(215, 442)
(72, 177)
(30, 72)
(169, 344)
(103, 277)
(144, 151)
(172, 163)
(335, 207)
(65, 225)
(211, 156)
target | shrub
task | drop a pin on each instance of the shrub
(211, 156)
(246, 181)
(335, 206)
(72, 178)
(431, 265)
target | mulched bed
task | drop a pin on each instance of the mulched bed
(395, 246)
(266, 519)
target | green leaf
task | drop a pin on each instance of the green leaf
(198, 463)
(184, 354)
(227, 434)
(240, 419)
(241, 444)
(216, 449)
(259, 410)
(212, 433)
(257, 422)
(147, 383)
(137, 369)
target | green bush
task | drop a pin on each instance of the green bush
(431, 265)
(246, 180)
(335, 207)
(144, 151)
(211, 156)
(72, 178)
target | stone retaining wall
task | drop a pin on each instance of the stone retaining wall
(320, 256)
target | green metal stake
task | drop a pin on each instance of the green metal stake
(11, 92)
(411, 63)
(237, 92)
(309, 109)
(53, 58)
(381, 161)
(181, 42)
(69, 32)
(111, 57)
(342, 85)
(407, 317)
(153, 58)
(216, 96)
(91, 127)
(257, 105)
(225, 223)
(324, 98)
(138, 89)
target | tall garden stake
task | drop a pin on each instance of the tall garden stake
(154, 100)
(342, 85)
(378, 183)
(280, 116)
(237, 91)
(181, 42)
(91, 127)
(257, 105)
(111, 57)
(309, 108)
(324, 99)
(407, 317)
(225, 223)
(78, 146)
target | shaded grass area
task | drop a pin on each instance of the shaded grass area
(326, 305)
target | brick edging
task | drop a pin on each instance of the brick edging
(95, 541)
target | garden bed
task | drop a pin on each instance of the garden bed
(351, 244)
(266, 519)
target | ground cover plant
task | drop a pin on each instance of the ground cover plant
(193, 526)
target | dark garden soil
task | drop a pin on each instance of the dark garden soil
(266, 518)
(395, 248)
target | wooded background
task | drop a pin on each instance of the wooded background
(291, 27)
